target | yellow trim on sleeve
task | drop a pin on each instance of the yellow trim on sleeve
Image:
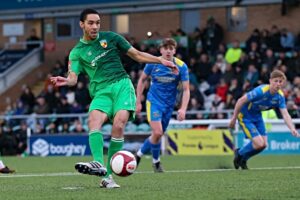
(280, 92)
(266, 88)
(179, 62)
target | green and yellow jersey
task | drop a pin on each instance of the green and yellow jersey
(100, 60)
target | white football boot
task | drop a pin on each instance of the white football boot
(109, 183)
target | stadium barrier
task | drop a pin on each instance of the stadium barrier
(208, 137)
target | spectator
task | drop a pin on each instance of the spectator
(264, 75)
(193, 78)
(59, 69)
(82, 96)
(78, 128)
(33, 40)
(234, 93)
(269, 60)
(21, 136)
(51, 98)
(52, 128)
(254, 50)
(197, 95)
(214, 78)
(274, 40)
(70, 96)
(76, 108)
(221, 63)
(65, 128)
(282, 59)
(217, 105)
(221, 50)
(228, 74)
(297, 97)
(41, 107)
(19, 108)
(204, 68)
(212, 36)
(252, 75)
(10, 142)
(63, 106)
(294, 63)
(194, 105)
(287, 40)
(254, 38)
(28, 99)
(233, 54)
(39, 129)
(221, 89)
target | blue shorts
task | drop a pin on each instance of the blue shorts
(159, 113)
(252, 128)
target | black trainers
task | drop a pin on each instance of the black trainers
(243, 164)
(91, 168)
(6, 170)
(237, 159)
(157, 167)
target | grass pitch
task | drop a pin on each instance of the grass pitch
(186, 177)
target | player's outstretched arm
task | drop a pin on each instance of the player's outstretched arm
(139, 91)
(185, 100)
(144, 57)
(238, 106)
(288, 120)
(59, 81)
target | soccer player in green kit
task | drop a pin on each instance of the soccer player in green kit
(97, 54)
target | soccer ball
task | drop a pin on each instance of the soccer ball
(123, 163)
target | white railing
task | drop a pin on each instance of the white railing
(277, 124)
(22, 67)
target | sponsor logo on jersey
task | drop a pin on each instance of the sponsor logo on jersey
(262, 107)
(274, 102)
(93, 63)
(103, 43)
(165, 79)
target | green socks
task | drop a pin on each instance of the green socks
(116, 144)
(96, 145)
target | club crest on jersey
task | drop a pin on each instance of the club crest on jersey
(103, 43)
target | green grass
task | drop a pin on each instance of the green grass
(264, 181)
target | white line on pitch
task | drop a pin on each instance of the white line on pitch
(142, 172)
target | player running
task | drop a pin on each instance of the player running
(248, 112)
(97, 55)
(161, 99)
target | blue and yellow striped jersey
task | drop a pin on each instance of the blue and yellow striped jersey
(260, 99)
(163, 89)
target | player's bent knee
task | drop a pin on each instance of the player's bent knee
(157, 133)
(120, 124)
(261, 146)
